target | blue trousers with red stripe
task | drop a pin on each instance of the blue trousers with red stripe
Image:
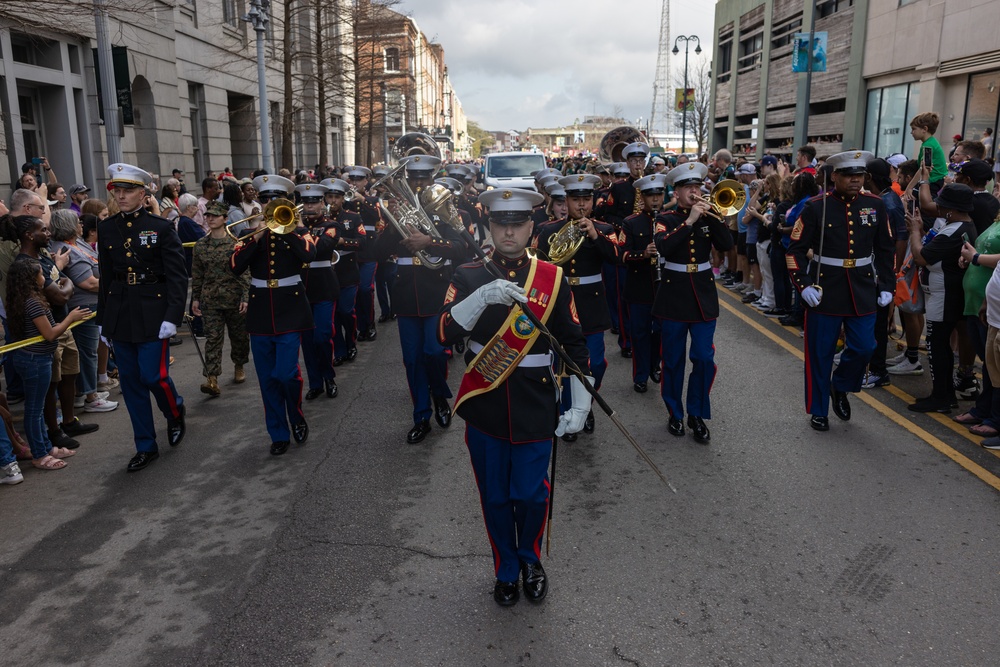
(317, 345)
(425, 362)
(365, 303)
(513, 481)
(144, 369)
(345, 329)
(276, 360)
(673, 341)
(614, 287)
(820, 342)
(645, 335)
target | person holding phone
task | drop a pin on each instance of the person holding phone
(922, 129)
(941, 277)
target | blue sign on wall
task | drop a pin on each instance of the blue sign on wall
(809, 55)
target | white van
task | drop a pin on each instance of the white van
(512, 170)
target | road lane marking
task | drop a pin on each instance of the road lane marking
(880, 407)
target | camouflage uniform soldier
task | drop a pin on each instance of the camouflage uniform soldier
(220, 297)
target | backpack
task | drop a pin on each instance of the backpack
(909, 296)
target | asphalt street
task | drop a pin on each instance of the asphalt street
(872, 544)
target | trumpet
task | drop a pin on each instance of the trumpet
(281, 216)
(727, 198)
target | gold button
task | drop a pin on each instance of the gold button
(128, 224)
(272, 262)
(544, 380)
(512, 274)
(572, 261)
(128, 254)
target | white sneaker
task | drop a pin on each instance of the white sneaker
(763, 306)
(11, 474)
(100, 405)
(112, 383)
(898, 359)
(907, 368)
(79, 401)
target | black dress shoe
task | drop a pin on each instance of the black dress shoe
(460, 347)
(141, 460)
(588, 424)
(627, 353)
(640, 387)
(418, 432)
(60, 439)
(383, 318)
(442, 412)
(313, 393)
(76, 427)
(675, 427)
(338, 361)
(371, 333)
(330, 386)
(569, 437)
(175, 341)
(841, 406)
(654, 375)
(614, 331)
(176, 428)
(279, 448)
(352, 354)
(505, 593)
(361, 337)
(300, 432)
(698, 428)
(819, 423)
(534, 581)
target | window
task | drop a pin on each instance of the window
(826, 7)
(983, 105)
(32, 50)
(783, 34)
(888, 119)
(392, 59)
(750, 51)
(230, 12)
(725, 60)
(31, 124)
(394, 107)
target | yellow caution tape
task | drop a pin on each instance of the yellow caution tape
(39, 339)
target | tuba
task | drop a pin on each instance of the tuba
(616, 140)
(413, 143)
(395, 193)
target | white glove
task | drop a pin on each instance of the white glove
(499, 292)
(167, 330)
(812, 296)
(572, 420)
(884, 299)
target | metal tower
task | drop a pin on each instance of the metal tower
(663, 86)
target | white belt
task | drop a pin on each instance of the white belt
(276, 282)
(529, 360)
(345, 252)
(846, 263)
(687, 268)
(369, 228)
(584, 280)
(321, 264)
(408, 261)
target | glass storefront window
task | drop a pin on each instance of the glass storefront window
(983, 105)
(887, 123)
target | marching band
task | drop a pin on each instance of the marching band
(508, 277)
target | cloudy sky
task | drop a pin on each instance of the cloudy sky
(543, 63)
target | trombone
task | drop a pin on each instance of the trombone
(281, 216)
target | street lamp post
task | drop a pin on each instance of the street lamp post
(697, 49)
(257, 17)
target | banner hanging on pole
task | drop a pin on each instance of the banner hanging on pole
(809, 55)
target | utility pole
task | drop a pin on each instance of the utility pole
(257, 17)
(805, 83)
